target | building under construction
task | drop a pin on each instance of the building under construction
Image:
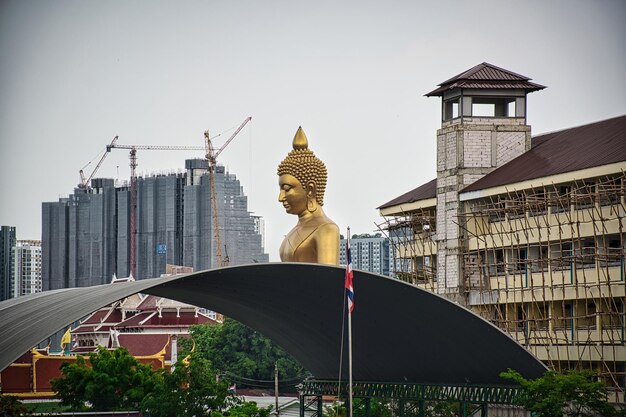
(528, 232)
(86, 237)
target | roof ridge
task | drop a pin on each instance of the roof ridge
(551, 132)
(467, 74)
(487, 76)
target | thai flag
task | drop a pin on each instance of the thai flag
(349, 276)
(232, 389)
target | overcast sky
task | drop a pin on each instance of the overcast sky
(74, 74)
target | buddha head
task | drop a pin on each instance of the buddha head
(302, 178)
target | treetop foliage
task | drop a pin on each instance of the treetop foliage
(114, 381)
(572, 394)
(236, 349)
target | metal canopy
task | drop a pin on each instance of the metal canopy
(400, 333)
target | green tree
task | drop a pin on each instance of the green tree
(248, 409)
(10, 406)
(236, 348)
(384, 407)
(114, 381)
(193, 390)
(572, 394)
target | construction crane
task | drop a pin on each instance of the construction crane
(211, 156)
(84, 182)
(133, 185)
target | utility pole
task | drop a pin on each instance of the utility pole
(276, 386)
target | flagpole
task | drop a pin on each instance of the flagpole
(350, 360)
(349, 347)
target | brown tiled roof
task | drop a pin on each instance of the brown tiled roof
(568, 150)
(167, 319)
(424, 191)
(143, 344)
(85, 329)
(135, 321)
(97, 317)
(488, 76)
(148, 303)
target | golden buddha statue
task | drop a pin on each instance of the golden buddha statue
(302, 182)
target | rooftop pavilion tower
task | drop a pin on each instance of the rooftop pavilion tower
(483, 126)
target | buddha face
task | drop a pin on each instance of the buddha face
(292, 194)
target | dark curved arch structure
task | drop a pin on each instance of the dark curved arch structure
(400, 333)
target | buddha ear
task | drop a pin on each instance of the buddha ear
(311, 190)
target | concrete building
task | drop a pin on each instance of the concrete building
(369, 253)
(26, 268)
(526, 231)
(7, 241)
(86, 237)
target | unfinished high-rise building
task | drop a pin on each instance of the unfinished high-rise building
(86, 237)
(7, 242)
(528, 232)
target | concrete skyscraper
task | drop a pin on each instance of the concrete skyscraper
(86, 237)
(7, 241)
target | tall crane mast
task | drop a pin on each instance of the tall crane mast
(211, 156)
(133, 187)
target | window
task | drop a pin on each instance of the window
(511, 109)
(562, 256)
(537, 204)
(560, 198)
(496, 211)
(499, 315)
(493, 107)
(451, 109)
(542, 317)
(609, 191)
(613, 318)
(564, 319)
(520, 323)
(483, 109)
(516, 206)
(614, 251)
(586, 254)
(518, 260)
(584, 197)
(494, 262)
(588, 318)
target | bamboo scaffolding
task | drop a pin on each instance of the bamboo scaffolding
(545, 264)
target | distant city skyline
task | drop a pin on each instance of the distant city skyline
(352, 74)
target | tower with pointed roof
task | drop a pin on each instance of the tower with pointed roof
(483, 126)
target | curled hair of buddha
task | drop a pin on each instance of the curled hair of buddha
(302, 163)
